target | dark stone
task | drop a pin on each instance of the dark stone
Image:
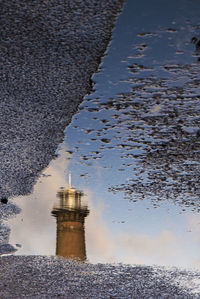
(4, 200)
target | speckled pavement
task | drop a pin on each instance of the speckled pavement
(50, 49)
(48, 277)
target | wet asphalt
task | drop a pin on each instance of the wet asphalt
(49, 52)
(49, 277)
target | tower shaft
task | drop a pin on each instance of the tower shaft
(70, 216)
(70, 242)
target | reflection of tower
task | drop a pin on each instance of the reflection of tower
(70, 215)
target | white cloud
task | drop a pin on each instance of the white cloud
(34, 227)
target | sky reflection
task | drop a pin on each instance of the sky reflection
(116, 230)
(113, 140)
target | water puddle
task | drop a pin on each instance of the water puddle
(100, 226)
(132, 151)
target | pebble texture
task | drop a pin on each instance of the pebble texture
(50, 49)
(48, 277)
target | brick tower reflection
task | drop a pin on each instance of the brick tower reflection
(70, 216)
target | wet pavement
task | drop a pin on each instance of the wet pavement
(49, 53)
(47, 277)
(132, 153)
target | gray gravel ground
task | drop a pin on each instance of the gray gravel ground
(48, 277)
(50, 49)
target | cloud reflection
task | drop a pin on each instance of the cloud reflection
(166, 248)
(35, 229)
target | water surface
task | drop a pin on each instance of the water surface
(132, 149)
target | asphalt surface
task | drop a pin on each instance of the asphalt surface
(48, 277)
(50, 49)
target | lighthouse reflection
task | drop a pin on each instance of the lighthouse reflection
(70, 217)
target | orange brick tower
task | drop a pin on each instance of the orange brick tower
(70, 215)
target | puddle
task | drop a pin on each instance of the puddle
(110, 228)
(132, 150)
